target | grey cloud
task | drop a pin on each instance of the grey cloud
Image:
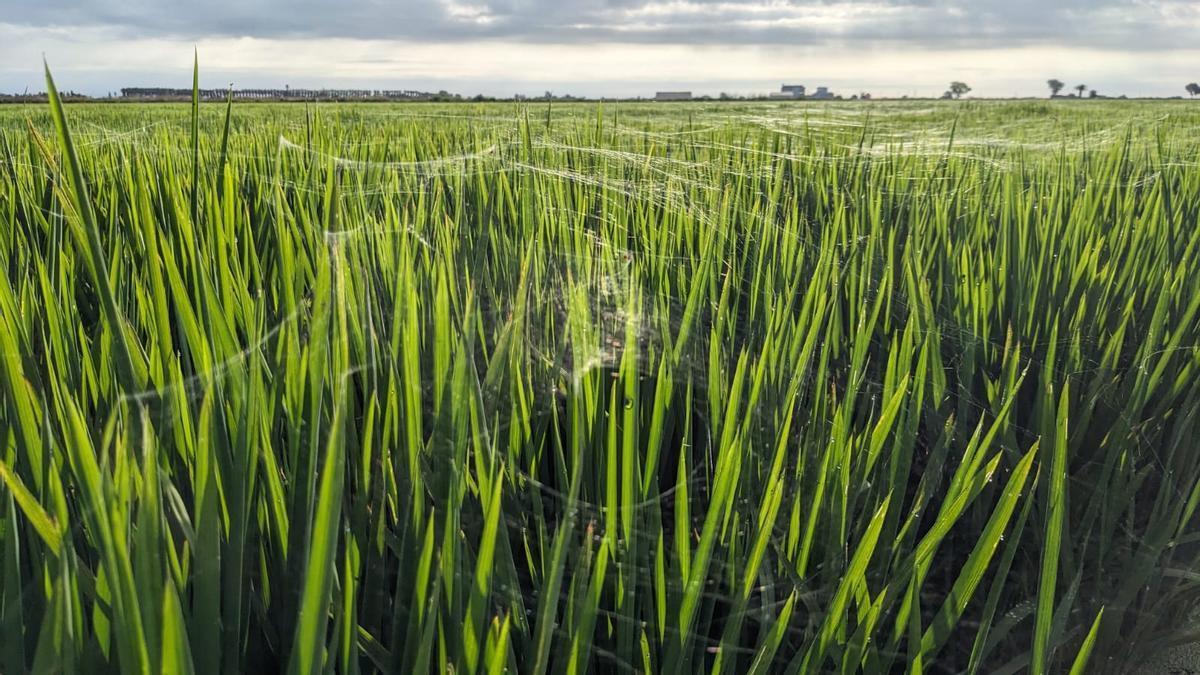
(1128, 24)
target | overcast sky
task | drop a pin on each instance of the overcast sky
(608, 47)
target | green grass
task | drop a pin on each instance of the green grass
(633, 388)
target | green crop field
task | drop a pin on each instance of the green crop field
(747, 387)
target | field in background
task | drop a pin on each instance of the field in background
(632, 388)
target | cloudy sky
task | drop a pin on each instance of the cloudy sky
(608, 47)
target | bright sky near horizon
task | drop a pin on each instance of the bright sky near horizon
(608, 47)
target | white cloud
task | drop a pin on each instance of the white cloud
(478, 14)
(950, 23)
(108, 60)
(611, 47)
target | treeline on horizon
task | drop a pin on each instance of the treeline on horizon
(74, 97)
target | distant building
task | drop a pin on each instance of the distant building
(787, 92)
(673, 96)
(822, 93)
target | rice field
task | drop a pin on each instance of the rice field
(734, 388)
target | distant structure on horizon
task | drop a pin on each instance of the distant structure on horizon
(285, 94)
(790, 91)
(673, 96)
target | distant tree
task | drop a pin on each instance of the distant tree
(1055, 87)
(947, 94)
(1080, 88)
(957, 89)
(1092, 94)
(1193, 89)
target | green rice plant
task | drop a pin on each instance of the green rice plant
(739, 387)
